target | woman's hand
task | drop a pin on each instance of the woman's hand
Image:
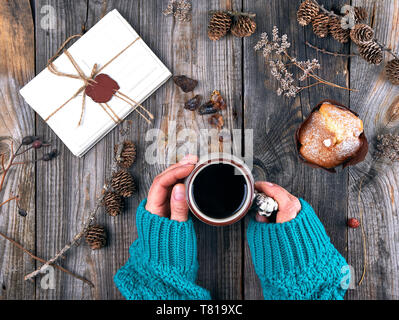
(167, 196)
(288, 205)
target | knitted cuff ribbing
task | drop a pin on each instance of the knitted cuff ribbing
(165, 243)
(281, 248)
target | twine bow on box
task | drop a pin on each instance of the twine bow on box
(100, 87)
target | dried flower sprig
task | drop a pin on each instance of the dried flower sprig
(180, 9)
(275, 53)
(30, 143)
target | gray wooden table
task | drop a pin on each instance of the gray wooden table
(59, 195)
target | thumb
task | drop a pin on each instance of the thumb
(178, 203)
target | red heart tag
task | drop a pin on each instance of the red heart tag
(103, 90)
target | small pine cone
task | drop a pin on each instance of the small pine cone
(339, 34)
(392, 71)
(371, 52)
(113, 203)
(307, 11)
(362, 34)
(123, 183)
(127, 156)
(219, 25)
(360, 14)
(243, 27)
(96, 237)
(320, 25)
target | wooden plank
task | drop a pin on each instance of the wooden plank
(186, 49)
(67, 204)
(17, 120)
(373, 191)
(274, 120)
(66, 187)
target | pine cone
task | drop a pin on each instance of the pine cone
(339, 34)
(392, 71)
(113, 203)
(371, 52)
(360, 14)
(362, 34)
(96, 237)
(219, 25)
(321, 25)
(123, 183)
(243, 27)
(307, 11)
(127, 156)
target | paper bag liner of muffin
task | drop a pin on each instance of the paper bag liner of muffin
(351, 161)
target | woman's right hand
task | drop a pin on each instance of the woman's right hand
(289, 206)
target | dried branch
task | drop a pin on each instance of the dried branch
(43, 261)
(235, 13)
(85, 227)
(336, 54)
(33, 143)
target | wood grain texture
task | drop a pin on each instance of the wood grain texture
(17, 120)
(185, 48)
(373, 191)
(59, 199)
(274, 120)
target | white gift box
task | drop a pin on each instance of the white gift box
(137, 71)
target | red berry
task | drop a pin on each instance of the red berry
(353, 223)
(37, 144)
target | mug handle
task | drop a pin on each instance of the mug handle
(264, 205)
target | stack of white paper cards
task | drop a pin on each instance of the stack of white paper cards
(137, 71)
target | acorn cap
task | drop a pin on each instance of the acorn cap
(351, 161)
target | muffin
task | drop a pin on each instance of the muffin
(331, 136)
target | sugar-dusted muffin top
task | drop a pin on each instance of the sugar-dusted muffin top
(330, 136)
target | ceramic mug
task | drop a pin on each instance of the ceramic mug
(241, 168)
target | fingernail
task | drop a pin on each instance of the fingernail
(270, 184)
(189, 159)
(179, 193)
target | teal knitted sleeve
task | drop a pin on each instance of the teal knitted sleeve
(163, 261)
(296, 260)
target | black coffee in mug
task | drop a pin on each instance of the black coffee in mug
(219, 190)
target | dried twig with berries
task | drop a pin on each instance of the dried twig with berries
(28, 143)
(275, 52)
(119, 186)
(349, 26)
